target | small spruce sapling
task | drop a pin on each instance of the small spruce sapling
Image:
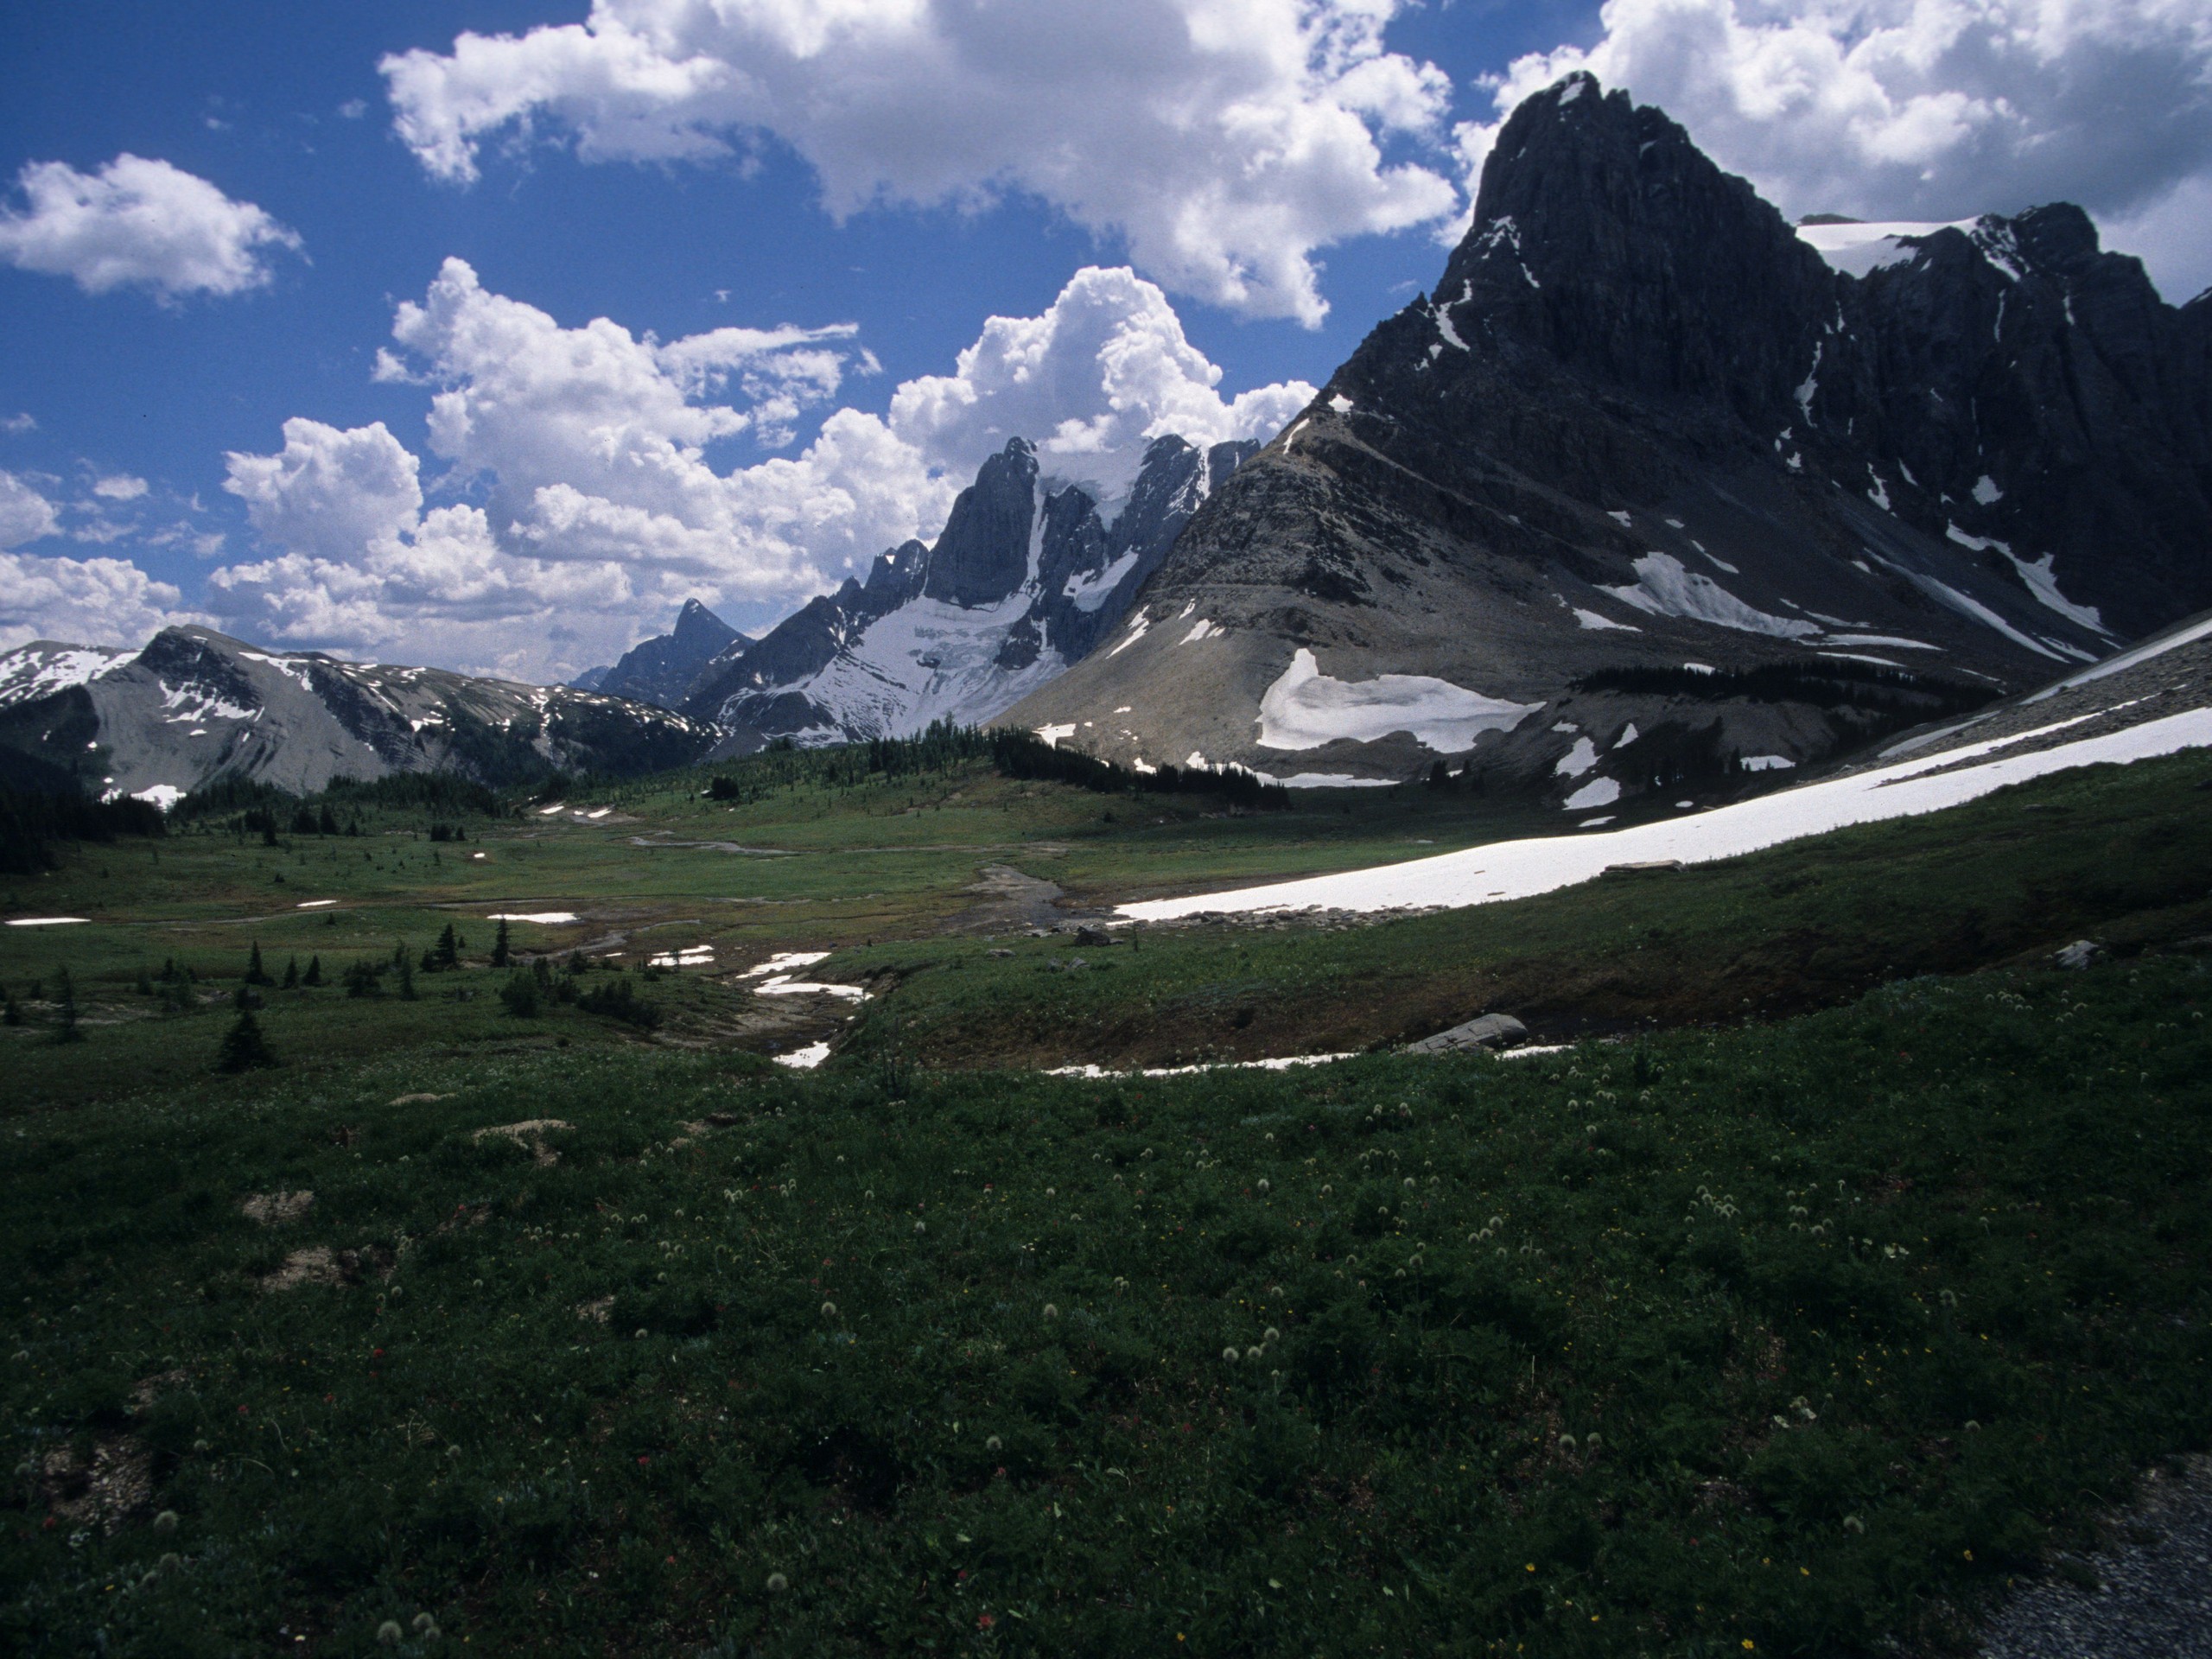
(255, 973)
(499, 948)
(65, 1024)
(314, 975)
(292, 974)
(244, 1048)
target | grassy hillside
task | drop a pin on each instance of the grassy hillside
(1791, 1336)
(1797, 1310)
(2121, 852)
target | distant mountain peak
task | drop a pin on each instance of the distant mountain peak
(661, 669)
(1029, 574)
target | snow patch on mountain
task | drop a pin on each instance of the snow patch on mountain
(42, 667)
(1305, 709)
(1665, 587)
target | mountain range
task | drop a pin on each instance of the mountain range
(1029, 573)
(1655, 495)
(195, 705)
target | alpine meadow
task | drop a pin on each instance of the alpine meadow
(1422, 864)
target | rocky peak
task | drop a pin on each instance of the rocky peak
(1606, 240)
(698, 629)
(984, 554)
(660, 670)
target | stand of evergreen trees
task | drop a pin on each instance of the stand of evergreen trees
(1024, 754)
(33, 823)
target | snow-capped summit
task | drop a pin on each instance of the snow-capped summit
(1026, 578)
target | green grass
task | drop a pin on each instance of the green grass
(833, 865)
(1870, 1283)
(1858, 1309)
(2118, 851)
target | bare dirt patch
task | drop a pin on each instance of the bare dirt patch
(117, 1482)
(529, 1134)
(315, 1265)
(275, 1209)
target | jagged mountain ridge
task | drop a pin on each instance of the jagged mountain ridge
(195, 705)
(662, 669)
(1027, 575)
(1643, 424)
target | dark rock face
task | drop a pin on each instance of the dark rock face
(983, 553)
(1643, 423)
(661, 668)
(1027, 577)
(195, 706)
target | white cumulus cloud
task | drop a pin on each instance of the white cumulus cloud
(1926, 109)
(328, 493)
(603, 506)
(1105, 369)
(25, 514)
(1227, 140)
(82, 601)
(138, 222)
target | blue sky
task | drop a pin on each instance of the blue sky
(884, 176)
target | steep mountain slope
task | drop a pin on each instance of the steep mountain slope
(195, 705)
(1027, 575)
(661, 669)
(2154, 699)
(1645, 431)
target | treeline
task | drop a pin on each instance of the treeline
(251, 802)
(246, 806)
(939, 748)
(33, 823)
(1829, 683)
(944, 747)
(1024, 755)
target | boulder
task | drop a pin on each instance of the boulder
(1490, 1031)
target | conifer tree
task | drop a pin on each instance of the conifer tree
(314, 975)
(244, 1047)
(406, 979)
(292, 974)
(499, 948)
(448, 948)
(255, 973)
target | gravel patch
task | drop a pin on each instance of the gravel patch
(2152, 1597)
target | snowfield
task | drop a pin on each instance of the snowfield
(1519, 869)
(1305, 709)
